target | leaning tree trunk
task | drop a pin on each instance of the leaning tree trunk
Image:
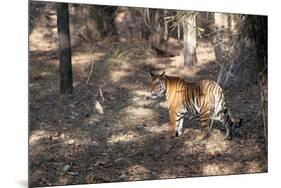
(189, 37)
(64, 49)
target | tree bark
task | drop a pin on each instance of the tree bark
(157, 25)
(64, 49)
(220, 25)
(179, 31)
(166, 32)
(189, 37)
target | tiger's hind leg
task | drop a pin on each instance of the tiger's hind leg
(211, 120)
(225, 119)
(173, 123)
(206, 125)
(228, 127)
(237, 123)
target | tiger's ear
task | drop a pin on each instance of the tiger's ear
(151, 74)
(163, 74)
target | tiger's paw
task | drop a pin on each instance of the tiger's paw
(178, 133)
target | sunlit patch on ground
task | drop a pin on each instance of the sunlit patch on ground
(137, 172)
(158, 129)
(35, 136)
(141, 93)
(118, 75)
(140, 101)
(219, 168)
(194, 136)
(141, 98)
(169, 173)
(80, 58)
(123, 137)
(39, 42)
(216, 144)
(78, 142)
(138, 111)
(253, 167)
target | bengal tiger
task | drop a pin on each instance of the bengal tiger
(203, 99)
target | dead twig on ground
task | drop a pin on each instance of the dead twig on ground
(92, 65)
(101, 95)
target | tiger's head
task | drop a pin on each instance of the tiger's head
(158, 85)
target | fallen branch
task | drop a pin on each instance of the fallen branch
(92, 65)
(101, 95)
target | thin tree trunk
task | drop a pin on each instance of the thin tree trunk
(219, 26)
(264, 101)
(147, 13)
(179, 31)
(166, 32)
(157, 36)
(157, 25)
(64, 49)
(96, 21)
(189, 37)
(218, 53)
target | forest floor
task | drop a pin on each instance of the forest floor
(123, 134)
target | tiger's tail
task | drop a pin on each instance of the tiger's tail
(230, 123)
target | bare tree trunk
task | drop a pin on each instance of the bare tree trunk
(264, 101)
(219, 54)
(146, 26)
(148, 15)
(157, 25)
(96, 21)
(220, 24)
(157, 36)
(189, 37)
(179, 31)
(166, 32)
(64, 49)
(259, 30)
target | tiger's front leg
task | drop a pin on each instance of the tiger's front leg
(176, 123)
(179, 126)
(173, 124)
